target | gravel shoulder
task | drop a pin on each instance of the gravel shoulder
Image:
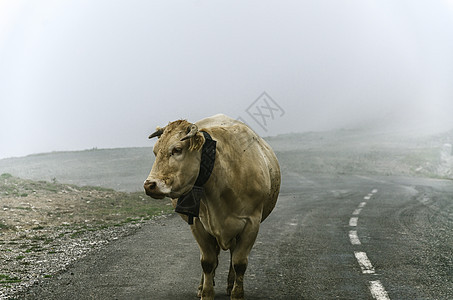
(46, 226)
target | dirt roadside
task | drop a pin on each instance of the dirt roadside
(45, 226)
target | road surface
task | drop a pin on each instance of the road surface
(330, 237)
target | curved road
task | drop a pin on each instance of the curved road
(330, 237)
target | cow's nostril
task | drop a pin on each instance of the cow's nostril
(150, 184)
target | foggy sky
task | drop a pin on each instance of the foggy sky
(82, 74)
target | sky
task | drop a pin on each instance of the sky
(80, 74)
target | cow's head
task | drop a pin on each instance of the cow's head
(177, 163)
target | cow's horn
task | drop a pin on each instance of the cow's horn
(157, 133)
(193, 129)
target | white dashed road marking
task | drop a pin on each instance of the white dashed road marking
(377, 290)
(293, 222)
(357, 211)
(364, 262)
(354, 238)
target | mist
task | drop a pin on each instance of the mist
(81, 74)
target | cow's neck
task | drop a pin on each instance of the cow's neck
(189, 204)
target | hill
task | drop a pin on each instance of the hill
(122, 169)
(364, 152)
(340, 152)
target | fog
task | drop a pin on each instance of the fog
(82, 74)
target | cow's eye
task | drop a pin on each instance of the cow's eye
(176, 151)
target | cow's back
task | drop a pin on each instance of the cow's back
(249, 157)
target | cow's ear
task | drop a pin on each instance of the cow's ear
(196, 142)
(191, 131)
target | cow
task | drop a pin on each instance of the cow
(239, 193)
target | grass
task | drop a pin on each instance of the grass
(77, 234)
(5, 227)
(121, 169)
(356, 152)
(6, 279)
(34, 248)
(98, 206)
(124, 208)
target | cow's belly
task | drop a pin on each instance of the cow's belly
(224, 231)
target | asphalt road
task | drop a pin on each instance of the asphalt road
(330, 237)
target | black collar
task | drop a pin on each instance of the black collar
(207, 160)
(189, 204)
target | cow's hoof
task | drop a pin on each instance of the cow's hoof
(228, 290)
(207, 294)
(237, 294)
(199, 291)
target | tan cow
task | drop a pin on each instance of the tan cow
(239, 194)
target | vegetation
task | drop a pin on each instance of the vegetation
(7, 279)
(38, 204)
(361, 152)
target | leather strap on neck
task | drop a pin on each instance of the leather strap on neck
(189, 204)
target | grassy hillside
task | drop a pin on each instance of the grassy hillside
(121, 169)
(45, 226)
(27, 204)
(340, 152)
(364, 152)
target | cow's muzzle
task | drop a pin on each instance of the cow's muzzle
(152, 189)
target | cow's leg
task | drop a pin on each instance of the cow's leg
(231, 274)
(200, 287)
(244, 243)
(209, 250)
